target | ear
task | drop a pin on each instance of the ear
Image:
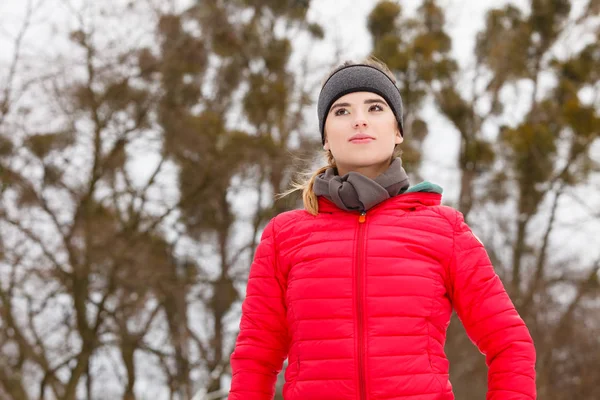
(398, 138)
(326, 145)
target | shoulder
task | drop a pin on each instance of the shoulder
(287, 218)
(460, 229)
(451, 216)
(285, 223)
(456, 224)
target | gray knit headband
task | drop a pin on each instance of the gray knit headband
(358, 78)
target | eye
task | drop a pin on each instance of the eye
(376, 107)
(341, 111)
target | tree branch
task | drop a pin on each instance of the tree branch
(12, 384)
(5, 103)
(560, 334)
(33, 237)
(26, 349)
(536, 281)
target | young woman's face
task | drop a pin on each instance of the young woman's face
(361, 131)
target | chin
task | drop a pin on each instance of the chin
(363, 162)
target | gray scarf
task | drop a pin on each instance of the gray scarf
(356, 192)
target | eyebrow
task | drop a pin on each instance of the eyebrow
(367, 101)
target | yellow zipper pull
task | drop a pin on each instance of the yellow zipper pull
(362, 217)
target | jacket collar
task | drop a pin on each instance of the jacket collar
(405, 201)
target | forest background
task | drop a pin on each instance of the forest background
(142, 144)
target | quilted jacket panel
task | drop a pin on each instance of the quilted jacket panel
(361, 309)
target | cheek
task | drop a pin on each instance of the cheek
(392, 128)
(334, 131)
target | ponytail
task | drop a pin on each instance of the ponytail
(309, 198)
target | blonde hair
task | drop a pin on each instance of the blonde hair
(309, 198)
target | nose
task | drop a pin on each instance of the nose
(360, 121)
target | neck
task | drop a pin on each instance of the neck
(358, 192)
(370, 171)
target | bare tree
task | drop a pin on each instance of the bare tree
(122, 250)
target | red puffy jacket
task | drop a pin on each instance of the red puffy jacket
(360, 306)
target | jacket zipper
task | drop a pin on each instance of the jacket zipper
(359, 306)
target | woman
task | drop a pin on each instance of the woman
(357, 290)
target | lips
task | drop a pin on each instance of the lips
(361, 138)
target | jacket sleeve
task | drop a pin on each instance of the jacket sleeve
(262, 343)
(490, 319)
